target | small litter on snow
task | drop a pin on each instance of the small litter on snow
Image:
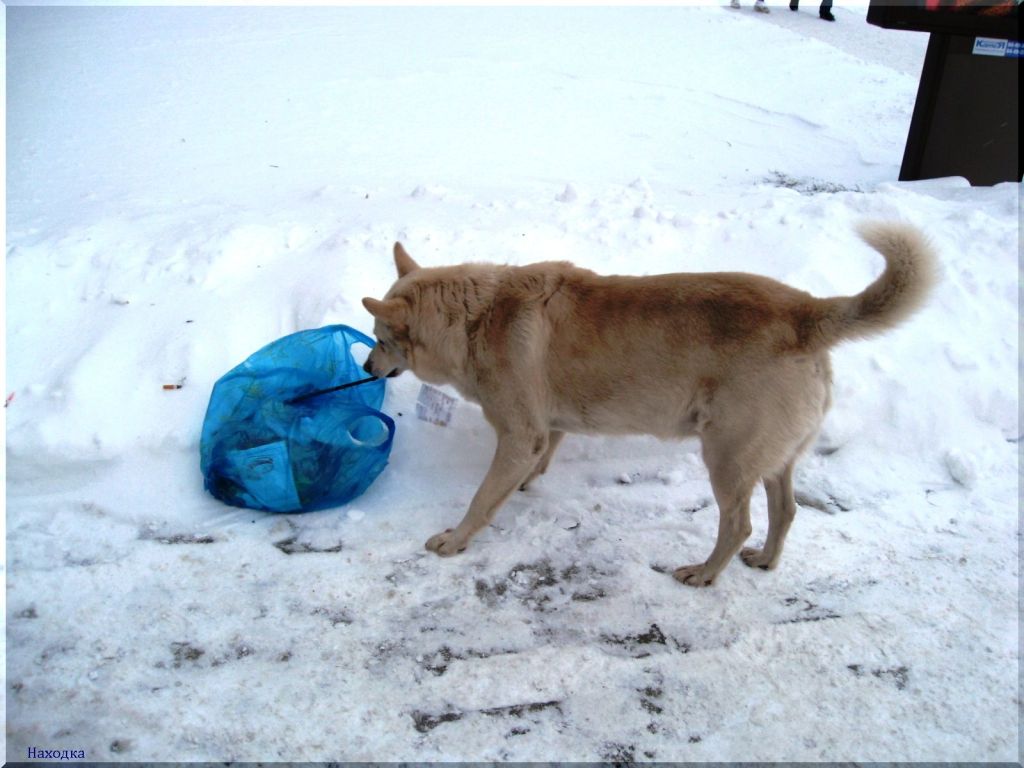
(434, 406)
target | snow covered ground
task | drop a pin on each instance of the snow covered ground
(186, 185)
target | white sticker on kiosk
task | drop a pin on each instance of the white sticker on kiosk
(987, 46)
(434, 406)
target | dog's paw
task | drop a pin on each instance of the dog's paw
(756, 558)
(693, 576)
(446, 544)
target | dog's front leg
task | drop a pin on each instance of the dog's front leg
(554, 438)
(515, 458)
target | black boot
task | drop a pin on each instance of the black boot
(794, 4)
(827, 15)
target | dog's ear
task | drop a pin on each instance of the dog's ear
(392, 312)
(403, 261)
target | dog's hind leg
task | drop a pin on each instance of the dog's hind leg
(781, 510)
(554, 438)
(517, 455)
(732, 484)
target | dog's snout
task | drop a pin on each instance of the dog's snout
(368, 368)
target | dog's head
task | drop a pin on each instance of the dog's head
(391, 355)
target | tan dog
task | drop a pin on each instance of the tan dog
(738, 360)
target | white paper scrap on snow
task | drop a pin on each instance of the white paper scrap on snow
(434, 406)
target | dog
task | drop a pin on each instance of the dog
(738, 360)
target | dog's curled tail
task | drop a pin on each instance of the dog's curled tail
(910, 273)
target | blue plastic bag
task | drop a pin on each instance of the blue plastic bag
(262, 449)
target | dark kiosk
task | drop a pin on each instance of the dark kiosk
(965, 120)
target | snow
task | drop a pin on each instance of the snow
(187, 184)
